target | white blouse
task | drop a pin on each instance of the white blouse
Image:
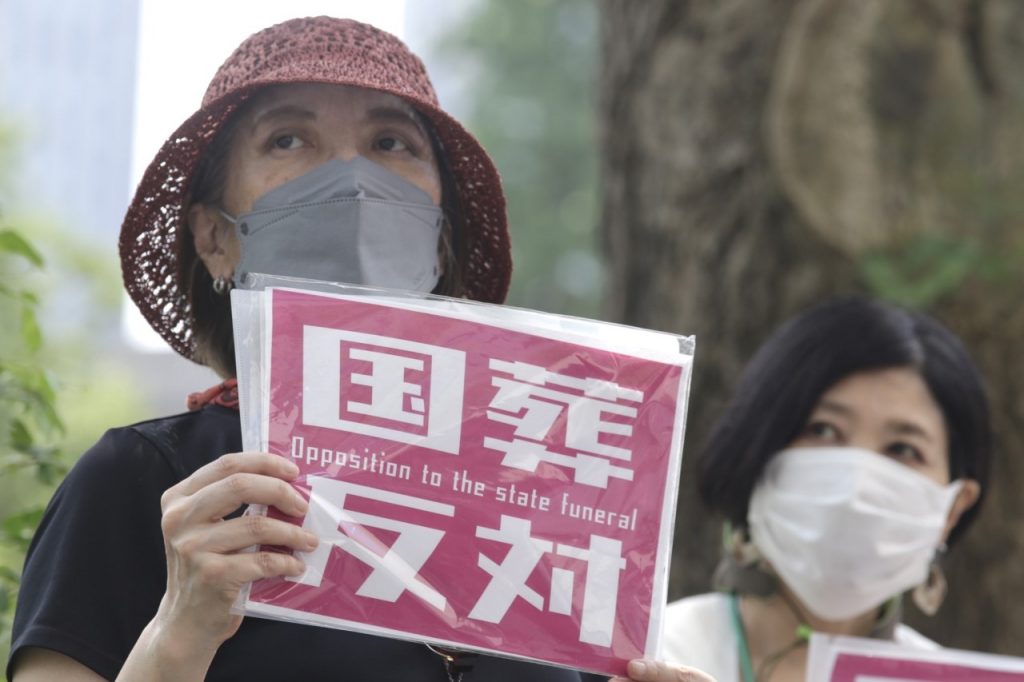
(698, 632)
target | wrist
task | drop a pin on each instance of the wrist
(166, 651)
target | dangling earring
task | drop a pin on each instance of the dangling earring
(929, 595)
(221, 286)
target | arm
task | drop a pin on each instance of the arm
(42, 665)
(205, 568)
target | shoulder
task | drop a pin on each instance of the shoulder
(694, 613)
(170, 448)
(118, 482)
(911, 638)
(120, 479)
(698, 632)
(95, 569)
(189, 440)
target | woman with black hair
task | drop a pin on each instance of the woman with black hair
(854, 452)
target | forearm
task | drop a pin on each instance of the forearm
(162, 655)
(206, 568)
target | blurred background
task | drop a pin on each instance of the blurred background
(701, 167)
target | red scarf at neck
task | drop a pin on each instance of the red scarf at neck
(224, 394)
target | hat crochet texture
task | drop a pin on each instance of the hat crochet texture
(155, 242)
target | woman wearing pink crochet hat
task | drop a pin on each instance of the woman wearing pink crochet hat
(305, 107)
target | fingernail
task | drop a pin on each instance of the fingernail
(312, 541)
(292, 468)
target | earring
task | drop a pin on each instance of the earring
(221, 286)
(929, 595)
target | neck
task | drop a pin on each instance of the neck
(771, 625)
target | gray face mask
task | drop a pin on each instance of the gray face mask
(345, 221)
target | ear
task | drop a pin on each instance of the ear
(969, 493)
(215, 240)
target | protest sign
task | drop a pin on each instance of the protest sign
(482, 478)
(853, 659)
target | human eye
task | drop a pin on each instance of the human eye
(391, 143)
(823, 431)
(904, 452)
(287, 141)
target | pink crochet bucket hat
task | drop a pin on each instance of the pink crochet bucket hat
(155, 243)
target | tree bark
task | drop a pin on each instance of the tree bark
(759, 157)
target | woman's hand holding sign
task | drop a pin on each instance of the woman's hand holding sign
(206, 564)
(206, 567)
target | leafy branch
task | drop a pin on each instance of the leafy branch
(29, 423)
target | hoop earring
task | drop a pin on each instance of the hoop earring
(221, 286)
(929, 595)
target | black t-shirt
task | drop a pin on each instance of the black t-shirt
(95, 574)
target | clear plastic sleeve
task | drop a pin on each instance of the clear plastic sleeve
(854, 659)
(481, 477)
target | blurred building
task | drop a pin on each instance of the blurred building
(67, 86)
(67, 81)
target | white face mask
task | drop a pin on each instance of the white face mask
(847, 529)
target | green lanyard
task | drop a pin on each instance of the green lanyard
(803, 635)
(746, 667)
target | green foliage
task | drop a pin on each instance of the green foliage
(17, 529)
(987, 247)
(923, 271)
(982, 241)
(12, 242)
(28, 417)
(29, 424)
(529, 72)
(56, 319)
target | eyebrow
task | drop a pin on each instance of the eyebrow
(909, 429)
(897, 426)
(282, 111)
(838, 408)
(383, 113)
(396, 115)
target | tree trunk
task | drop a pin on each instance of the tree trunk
(759, 157)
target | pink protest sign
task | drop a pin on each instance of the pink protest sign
(865, 668)
(473, 483)
(852, 659)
